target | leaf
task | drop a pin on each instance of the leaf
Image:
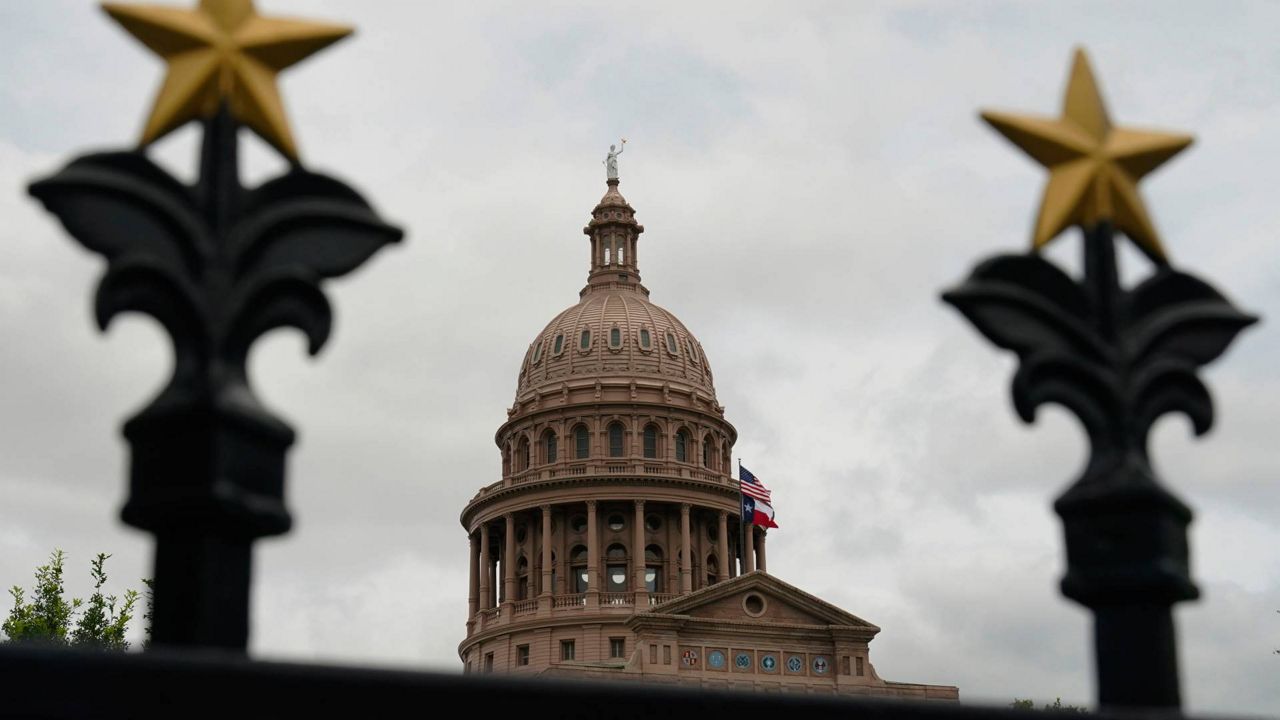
(307, 221)
(1166, 386)
(317, 236)
(1173, 313)
(1025, 304)
(1087, 389)
(122, 205)
(148, 287)
(288, 300)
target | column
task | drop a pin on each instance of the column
(749, 552)
(473, 592)
(593, 555)
(486, 599)
(563, 580)
(722, 547)
(546, 549)
(637, 556)
(509, 560)
(686, 554)
(760, 547)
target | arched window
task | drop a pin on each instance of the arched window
(585, 342)
(653, 569)
(549, 446)
(646, 342)
(682, 445)
(522, 455)
(581, 442)
(578, 561)
(671, 343)
(616, 569)
(615, 337)
(537, 352)
(713, 569)
(506, 460)
(616, 447)
(558, 346)
(650, 441)
(706, 452)
(555, 573)
(522, 578)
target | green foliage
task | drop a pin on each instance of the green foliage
(48, 618)
(1057, 706)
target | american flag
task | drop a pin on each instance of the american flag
(752, 487)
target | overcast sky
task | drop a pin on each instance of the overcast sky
(810, 177)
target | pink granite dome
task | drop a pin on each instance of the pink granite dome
(625, 335)
(614, 332)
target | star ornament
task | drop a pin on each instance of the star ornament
(223, 51)
(1094, 167)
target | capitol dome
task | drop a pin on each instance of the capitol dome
(614, 332)
(615, 543)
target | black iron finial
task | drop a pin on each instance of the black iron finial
(1118, 358)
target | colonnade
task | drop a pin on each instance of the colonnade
(487, 589)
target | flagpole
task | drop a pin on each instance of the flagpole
(742, 527)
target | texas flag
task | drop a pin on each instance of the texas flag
(757, 502)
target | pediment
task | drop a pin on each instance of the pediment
(758, 597)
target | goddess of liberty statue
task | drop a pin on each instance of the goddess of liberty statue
(611, 161)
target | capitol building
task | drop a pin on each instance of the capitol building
(611, 545)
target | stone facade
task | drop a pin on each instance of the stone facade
(611, 546)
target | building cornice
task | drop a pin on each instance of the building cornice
(648, 487)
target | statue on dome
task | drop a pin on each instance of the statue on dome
(611, 161)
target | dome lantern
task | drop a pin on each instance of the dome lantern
(614, 234)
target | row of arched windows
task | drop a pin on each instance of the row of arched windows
(616, 447)
(617, 574)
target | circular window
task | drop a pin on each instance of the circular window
(753, 605)
(617, 522)
(795, 664)
(769, 663)
(820, 665)
(578, 523)
(713, 531)
(742, 660)
(715, 659)
(653, 523)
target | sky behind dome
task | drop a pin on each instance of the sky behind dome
(810, 177)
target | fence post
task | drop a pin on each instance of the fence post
(217, 265)
(1118, 358)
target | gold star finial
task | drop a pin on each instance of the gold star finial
(1094, 168)
(223, 50)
